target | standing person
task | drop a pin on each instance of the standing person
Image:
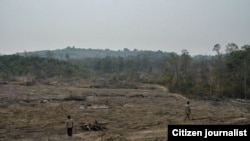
(69, 125)
(187, 111)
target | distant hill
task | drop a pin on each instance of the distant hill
(79, 53)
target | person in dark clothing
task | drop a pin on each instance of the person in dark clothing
(187, 111)
(69, 125)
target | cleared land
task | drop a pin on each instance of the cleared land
(38, 112)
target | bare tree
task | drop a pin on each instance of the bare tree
(217, 48)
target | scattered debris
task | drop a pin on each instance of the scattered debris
(3, 82)
(96, 126)
(94, 106)
(75, 98)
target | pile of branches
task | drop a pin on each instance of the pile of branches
(96, 126)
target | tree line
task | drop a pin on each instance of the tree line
(221, 75)
(12, 66)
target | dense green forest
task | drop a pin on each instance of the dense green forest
(221, 75)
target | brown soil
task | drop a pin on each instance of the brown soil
(38, 112)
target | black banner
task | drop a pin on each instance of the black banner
(208, 132)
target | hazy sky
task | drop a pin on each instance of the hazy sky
(167, 25)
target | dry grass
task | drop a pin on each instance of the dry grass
(132, 114)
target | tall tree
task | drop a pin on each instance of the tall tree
(246, 48)
(231, 47)
(219, 69)
(217, 48)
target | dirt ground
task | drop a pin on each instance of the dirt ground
(38, 112)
